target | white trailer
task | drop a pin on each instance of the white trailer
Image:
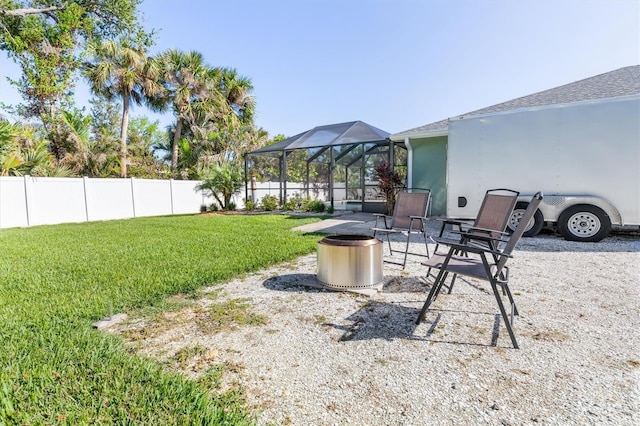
(584, 157)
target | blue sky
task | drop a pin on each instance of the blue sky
(395, 64)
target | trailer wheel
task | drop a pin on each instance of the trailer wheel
(584, 222)
(535, 224)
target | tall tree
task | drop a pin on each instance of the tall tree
(212, 106)
(142, 135)
(105, 119)
(237, 91)
(47, 39)
(122, 70)
(10, 160)
(23, 151)
(185, 77)
(77, 146)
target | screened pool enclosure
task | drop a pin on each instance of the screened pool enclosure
(333, 163)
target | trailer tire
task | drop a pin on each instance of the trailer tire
(584, 222)
(535, 224)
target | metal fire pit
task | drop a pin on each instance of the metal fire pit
(350, 261)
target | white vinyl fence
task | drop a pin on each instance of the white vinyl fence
(30, 201)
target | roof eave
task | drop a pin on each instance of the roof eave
(399, 137)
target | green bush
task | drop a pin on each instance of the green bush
(330, 209)
(289, 206)
(316, 206)
(203, 208)
(213, 207)
(231, 205)
(305, 204)
(222, 181)
(294, 203)
(269, 202)
(249, 205)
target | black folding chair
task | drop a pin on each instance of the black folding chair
(409, 217)
(479, 256)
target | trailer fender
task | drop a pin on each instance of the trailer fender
(553, 205)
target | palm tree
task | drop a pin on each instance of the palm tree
(124, 71)
(237, 90)
(24, 151)
(223, 181)
(10, 161)
(185, 78)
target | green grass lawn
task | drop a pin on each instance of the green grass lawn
(55, 281)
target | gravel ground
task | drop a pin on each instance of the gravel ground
(332, 358)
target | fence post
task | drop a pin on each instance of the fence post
(171, 193)
(27, 197)
(133, 198)
(86, 202)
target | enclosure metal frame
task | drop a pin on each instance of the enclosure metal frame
(375, 149)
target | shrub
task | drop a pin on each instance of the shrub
(222, 182)
(203, 208)
(249, 205)
(390, 182)
(231, 205)
(294, 203)
(289, 206)
(330, 209)
(269, 202)
(317, 206)
(305, 204)
(213, 207)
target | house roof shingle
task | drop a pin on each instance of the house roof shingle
(621, 82)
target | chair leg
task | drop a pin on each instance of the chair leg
(426, 245)
(507, 291)
(406, 250)
(453, 281)
(503, 312)
(389, 242)
(375, 233)
(435, 289)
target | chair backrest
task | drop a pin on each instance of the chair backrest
(496, 209)
(410, 204)
(519, 231)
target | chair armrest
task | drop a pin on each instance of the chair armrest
(487, 230)
(477, 240)
(421, 223)
(455, 221)
(379, 216)
(468, 247)
(482, 234)
(487, 238)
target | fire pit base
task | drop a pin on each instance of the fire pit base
(350, 262)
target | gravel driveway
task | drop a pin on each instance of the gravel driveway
(330, 358)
